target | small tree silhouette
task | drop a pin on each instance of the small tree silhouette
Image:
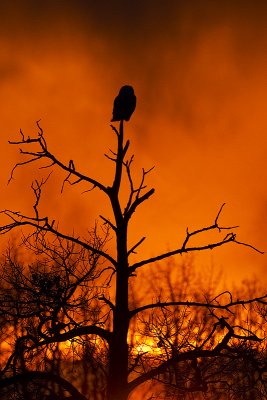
(65, 297)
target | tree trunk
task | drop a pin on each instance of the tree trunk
(118, 354)
(117, 383)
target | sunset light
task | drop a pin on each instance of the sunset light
(133, 202)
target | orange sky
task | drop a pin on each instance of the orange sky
(199, 73)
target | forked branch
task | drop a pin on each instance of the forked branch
(209, 305)
(44, 225)
(42, 153)
(229, 238)
(220, 350)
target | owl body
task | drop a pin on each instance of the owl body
(124, 104)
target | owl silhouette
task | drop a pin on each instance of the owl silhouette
(124, 104)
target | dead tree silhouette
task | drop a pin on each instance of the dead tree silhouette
(125, 368)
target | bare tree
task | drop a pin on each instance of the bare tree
(55, 304)
(238, 372)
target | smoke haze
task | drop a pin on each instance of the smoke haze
(199, 73)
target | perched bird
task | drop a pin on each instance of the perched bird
(124, 104)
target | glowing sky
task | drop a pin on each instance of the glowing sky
(199, 70)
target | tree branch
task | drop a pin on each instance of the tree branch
(79, 331)
(41, 375)
(107, 301)
(45, 154)
(190, 355)
(138, 201)
(43, 225)
(227, 306)
(230, 237)
(132, 250)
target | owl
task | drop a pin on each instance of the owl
(124, 104)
